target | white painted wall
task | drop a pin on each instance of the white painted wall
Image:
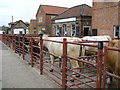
(16, 31)
(1, 32)
(65, 20)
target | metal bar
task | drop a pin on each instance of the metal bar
(12, 42)
(58, 72)
(113, 75)
(19, 43)
(15, 43)
(41, 54)
(104, 68)
(80, 59)
(52, 41)
(64, 69)
(31, 51)
(23, 53)
(99, 65)
(114, 49)
(45, 71)
(82, 75)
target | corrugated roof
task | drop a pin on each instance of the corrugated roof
(75, 11)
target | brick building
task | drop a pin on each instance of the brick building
(106, 18)
(76, 21)
(44, 15)
(33, 26)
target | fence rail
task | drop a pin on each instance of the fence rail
(93, 75)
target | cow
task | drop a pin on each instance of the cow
(96, 38)
(92, 50)
(89, 50)
(57, 50)
(113, 60)
(35, 41)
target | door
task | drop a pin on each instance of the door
(77, 31)
(86, 31)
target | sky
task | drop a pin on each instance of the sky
(27, 9)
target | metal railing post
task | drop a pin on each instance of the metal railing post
(99, 65)
(104, 67)
(10, 41)
(31, 51)
(19, 44)
(6, 40)
(15, 43)
(23, 53)
(41, 54)
(64, 65)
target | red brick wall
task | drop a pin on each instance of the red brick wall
(119, 14)
(105, 15)
(41, 13)
(48, 24)
(46, 21)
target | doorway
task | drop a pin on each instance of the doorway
(86, 30)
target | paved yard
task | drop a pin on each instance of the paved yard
(16, 73)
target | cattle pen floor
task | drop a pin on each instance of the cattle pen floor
(16, 73)
(56, 75)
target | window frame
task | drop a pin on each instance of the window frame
(115, 31)
(73, 30)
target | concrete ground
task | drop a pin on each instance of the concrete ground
(16, 73)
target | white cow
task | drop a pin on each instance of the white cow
(94, 38)
(97, 38)
(57, 49)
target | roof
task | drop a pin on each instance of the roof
(13, 24)
(48, 9)
(80, 10)
(16, 22)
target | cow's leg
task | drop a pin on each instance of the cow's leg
(52, 62)
(60, 64)
(110, 78)
(75, 66)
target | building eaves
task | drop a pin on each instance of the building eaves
(75, 11)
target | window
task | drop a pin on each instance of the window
(73, 31)
(57, 30)
(116, 31)
(94, 32)
(40, 19)
(65, 29)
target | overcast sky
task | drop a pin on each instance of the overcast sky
(26, 9)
